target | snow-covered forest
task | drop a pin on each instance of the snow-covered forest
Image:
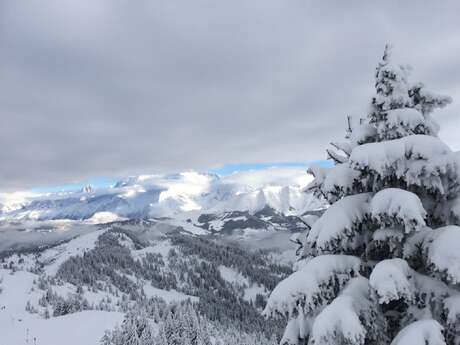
(130, 285)
(382, 264)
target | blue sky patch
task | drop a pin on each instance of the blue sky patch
(228, 169)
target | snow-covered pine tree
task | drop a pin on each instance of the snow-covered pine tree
(135, 330)
(382, 264)
(182, 325)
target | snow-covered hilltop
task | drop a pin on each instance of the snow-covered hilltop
(147, 196)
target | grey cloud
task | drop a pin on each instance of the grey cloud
(115, 87)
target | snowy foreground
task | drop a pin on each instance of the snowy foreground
(86, 327)
(18, 326)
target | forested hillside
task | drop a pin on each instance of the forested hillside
(217, 289)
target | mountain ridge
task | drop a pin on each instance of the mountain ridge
(150, 196)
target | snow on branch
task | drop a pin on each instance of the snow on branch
(393, 206)
(345, 147)
(312, 286)
(297, 328)
(426, 101)
(391, 238)
(339, 181)
(337, 227)
(349, 319)
(418, 160)
(392, 280)
(362, 133)
(382, 156)
(423, 332)
(336, 157)
(406, 121)
(443, 252)
(319, 173)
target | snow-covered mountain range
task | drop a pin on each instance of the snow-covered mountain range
(188, 194)
(151, 223)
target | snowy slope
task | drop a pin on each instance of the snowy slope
(22, 327)
(33, 286)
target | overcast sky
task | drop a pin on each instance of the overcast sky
(111, 88)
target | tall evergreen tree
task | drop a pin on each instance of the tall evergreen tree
(135, 330)
(183, 326)
(382, 264)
